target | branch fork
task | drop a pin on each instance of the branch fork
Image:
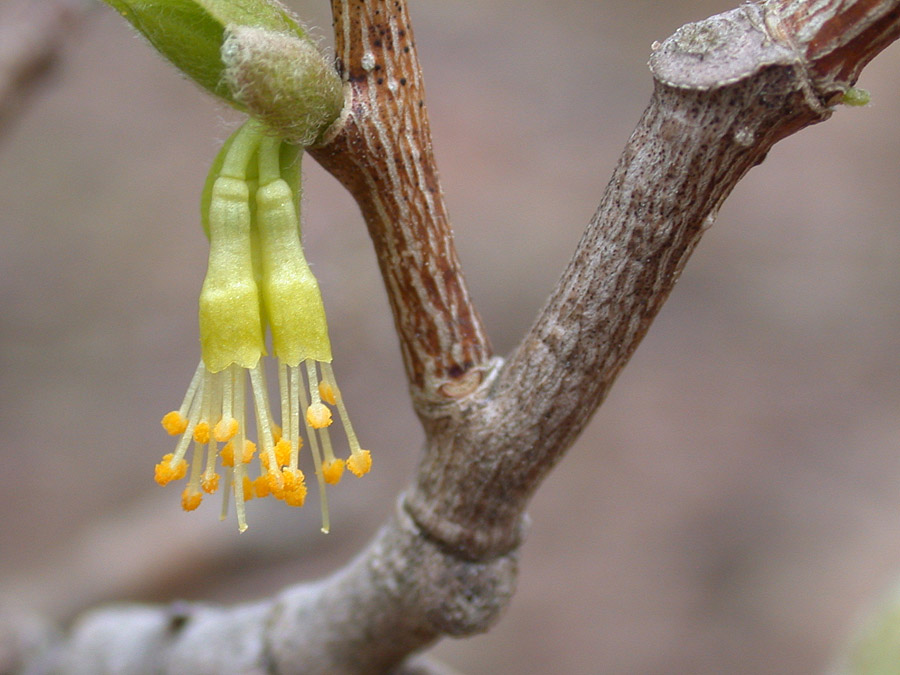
(726, 90)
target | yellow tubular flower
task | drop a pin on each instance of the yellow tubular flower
(258, 276)
(231, 332)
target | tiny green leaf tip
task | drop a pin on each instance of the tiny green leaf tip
(856, 97)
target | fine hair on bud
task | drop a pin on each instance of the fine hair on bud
(283, 81)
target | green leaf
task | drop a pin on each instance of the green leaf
(190, 33)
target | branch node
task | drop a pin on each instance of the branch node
(450, 396)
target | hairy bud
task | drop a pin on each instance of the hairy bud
(253, 54)
(282, 81)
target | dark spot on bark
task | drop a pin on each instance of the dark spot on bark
(380, 80)
(402, 80)
(179, 615)
(456, 370)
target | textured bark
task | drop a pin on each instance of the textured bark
(381, 152)
(726, 90)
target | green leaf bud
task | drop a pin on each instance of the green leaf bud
(284, 82)
(254, 54)
(856, 97)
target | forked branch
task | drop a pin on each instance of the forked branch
(726, 90)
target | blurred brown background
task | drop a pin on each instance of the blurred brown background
(731, 508)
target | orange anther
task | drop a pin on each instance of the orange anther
(174, 423)
(360, 463)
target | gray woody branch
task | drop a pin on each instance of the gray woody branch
(726, 90)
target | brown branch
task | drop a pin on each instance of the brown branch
(445, 564)
(837, 39)
(382, 154)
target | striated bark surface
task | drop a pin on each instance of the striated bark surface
(381, 152)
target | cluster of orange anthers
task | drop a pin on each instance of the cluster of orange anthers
(211, 418)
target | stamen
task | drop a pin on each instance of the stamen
(202, 430)
(210, 482)
(295, 487)
(229, 481)
(192, 389)
(196, 466)
(249, 451)
(329, 379)
(237, 401)
(175, 422)
(318, 416)
(237, 487)
(317, 459)
(190, 499)
(333, 470)
(360, 461)
(263, 417)
(273, 428)
(247, 489)
(284, 393)
(326, 391)
(294, 435)
(227, 426)
(231, 460)
(225, 429)
(193, 417)
(210, 479)
(248, 448)
(282, 455)
(261, 487)
(165, 472)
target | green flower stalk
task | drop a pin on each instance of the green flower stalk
(258, 278)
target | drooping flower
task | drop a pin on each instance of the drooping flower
(258, 277)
